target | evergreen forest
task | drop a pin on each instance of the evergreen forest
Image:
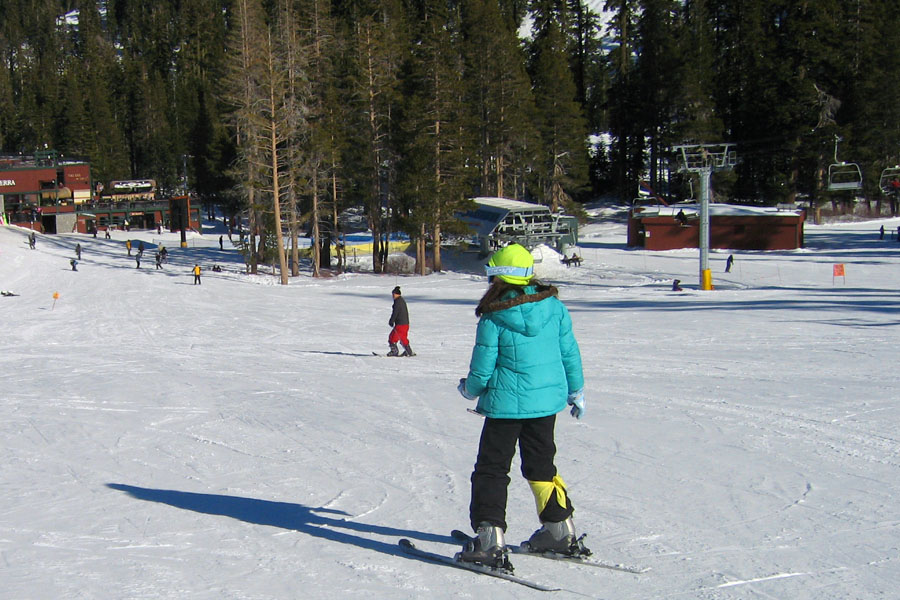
(290, 111)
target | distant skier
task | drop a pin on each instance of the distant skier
(158, 261)
(128, 246)
(220, 243)
(141, 248)
(676, 285)
(74, 263)
(137, 259)
(525, 368)
(881, 233)
(31, 241)
(196, 271)
(399, 322)
(78, 251)
(729, 263)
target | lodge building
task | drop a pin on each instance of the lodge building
(660, 227)
(53, 195)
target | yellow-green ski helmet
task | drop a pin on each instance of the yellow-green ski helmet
(513, 264)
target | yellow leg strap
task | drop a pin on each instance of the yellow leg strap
(543, 491)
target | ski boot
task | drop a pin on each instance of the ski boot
(394, 351)
(407, 350)
(488, 548)
(559, 538)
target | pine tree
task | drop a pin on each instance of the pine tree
(560, 118)
(95, 127)
(627, 150)
(659, 73)
(696, 118)
(376, 44)
(244, 45)
(433, 173)
(200, 30)
(498, 91)
(325, 119)
(875, 122)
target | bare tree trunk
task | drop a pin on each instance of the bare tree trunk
(421, 255)
(316, 252)
(251, 235)
(436, 234)
(273, 150)
(335, 223)
(295, 231)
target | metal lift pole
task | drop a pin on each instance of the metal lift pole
(705, 272)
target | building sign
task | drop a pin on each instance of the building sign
(7, 182)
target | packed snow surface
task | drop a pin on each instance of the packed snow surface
(238, 439)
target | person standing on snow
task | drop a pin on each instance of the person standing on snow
(196, 272)
(525, 368)
(399, 323)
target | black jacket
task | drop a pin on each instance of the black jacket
(399, 314)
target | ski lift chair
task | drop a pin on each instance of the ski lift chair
(888, 175)
(844, 176)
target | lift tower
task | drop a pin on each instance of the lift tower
(703, 159)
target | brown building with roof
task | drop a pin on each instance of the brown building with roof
(730, 227)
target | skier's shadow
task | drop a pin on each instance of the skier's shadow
(297, 517)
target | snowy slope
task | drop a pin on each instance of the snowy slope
(237, 439)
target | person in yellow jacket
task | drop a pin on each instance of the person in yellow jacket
(196, 271)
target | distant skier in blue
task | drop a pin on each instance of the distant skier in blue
(525, 368)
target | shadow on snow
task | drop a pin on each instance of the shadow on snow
(322, 523)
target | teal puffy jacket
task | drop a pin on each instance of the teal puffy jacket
(526, 360)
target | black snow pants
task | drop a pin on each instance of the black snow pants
(495, 453)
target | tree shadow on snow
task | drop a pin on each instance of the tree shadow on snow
(297, 517)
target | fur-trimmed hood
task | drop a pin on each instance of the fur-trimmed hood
(541, 292)
(525, 313)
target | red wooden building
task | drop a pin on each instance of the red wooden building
(51, 195)
(29, 185)
(730, 227)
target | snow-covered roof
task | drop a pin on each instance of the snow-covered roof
(509, 205)
(492, 211)
(717, 210)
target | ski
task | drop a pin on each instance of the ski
(409, 548)
(586, 560)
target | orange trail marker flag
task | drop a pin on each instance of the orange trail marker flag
(838, 271)
(55, 298)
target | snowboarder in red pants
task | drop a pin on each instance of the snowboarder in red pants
(400, 323)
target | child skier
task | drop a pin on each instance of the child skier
(525, 368)
(399, 323)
